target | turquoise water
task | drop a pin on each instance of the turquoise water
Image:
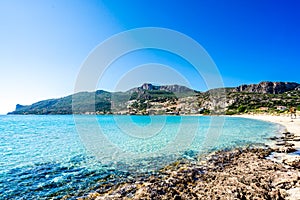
(52, 156)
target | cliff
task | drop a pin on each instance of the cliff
(168, 88)
(269, 87)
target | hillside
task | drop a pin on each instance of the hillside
(103, 102)
(64, 105)
(173, 99)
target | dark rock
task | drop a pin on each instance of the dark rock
(273, 138)
(289, 145)
(286, 133)
(281, 143)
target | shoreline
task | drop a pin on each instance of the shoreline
(241, 173)
(291, 125)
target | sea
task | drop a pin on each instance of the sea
(68, 156)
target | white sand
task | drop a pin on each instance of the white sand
(292, 125)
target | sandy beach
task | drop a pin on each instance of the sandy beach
(292, 125)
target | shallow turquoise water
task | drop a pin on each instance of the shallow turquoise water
(44, 156)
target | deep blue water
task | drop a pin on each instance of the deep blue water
(52, 156)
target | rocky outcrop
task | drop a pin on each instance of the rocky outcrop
(18, 106)
(168, 88)
(268, 87)
(148, 86)
(236, 174)
(176, 88)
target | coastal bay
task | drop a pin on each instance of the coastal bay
(43, 153)
(172, 100)
(244, 173)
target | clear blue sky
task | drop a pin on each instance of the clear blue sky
(44, 43)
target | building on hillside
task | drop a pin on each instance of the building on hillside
(281, 108)
(263, 108)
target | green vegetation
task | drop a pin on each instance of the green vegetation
(242, 108)
(153, 95)
(140, 105)
(206, 112)
(155, 101)
(83, 102)
(257, 102)
(230, 112)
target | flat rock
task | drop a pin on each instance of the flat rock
(237, 174)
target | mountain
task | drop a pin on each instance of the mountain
(168, 88)
(269, 87)
(173, 99)
(103, 102)
(64, 105)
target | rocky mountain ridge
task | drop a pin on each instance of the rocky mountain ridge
(268, 87)
(173, 99)
(170, 88)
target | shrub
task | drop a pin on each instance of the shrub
(206, 112)
(241, 108)
(230, 112)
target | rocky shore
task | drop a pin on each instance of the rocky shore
(235, 174)
(269, 172)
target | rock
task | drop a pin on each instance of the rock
(273, 138)
(285, 149)
(280, 143)
(286, 133)
(296, 139)
(268, 87)
(289, 145)
(236, 174)
(169, 88)
(293, 162)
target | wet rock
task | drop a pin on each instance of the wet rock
(294, 162)
(285, 149)
(274, 138)
(296, 139)
(236, 174)
(289, 145)
(281, 143)
(287, 133)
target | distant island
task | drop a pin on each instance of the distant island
(148, 99)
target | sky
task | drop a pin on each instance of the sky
(44, 44)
